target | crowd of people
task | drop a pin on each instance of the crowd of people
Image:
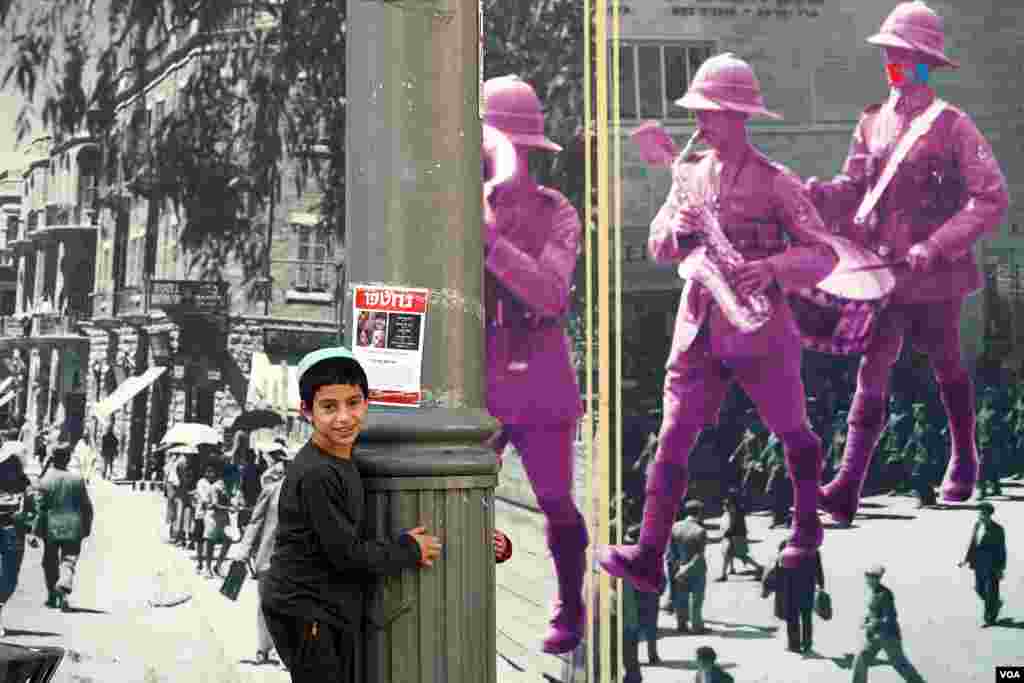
(799, 592)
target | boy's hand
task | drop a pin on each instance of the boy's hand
(502, 547)
(430, 546)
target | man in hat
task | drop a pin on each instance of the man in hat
(757, 203)
(531, 244)
(986, 555)
(64, 519)
(945, 191)
(688, 569)
(313, 593)
(882, 632)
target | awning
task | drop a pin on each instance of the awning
(276, 385)
(128, 390)
(6, 384)
(7, 398)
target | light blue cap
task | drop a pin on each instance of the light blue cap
(314, 357)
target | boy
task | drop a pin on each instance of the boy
(313, 592)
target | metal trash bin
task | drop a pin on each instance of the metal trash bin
(436, 625)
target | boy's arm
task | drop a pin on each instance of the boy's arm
(323, 502)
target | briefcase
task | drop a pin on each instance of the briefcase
(823, 605)
(234, 580)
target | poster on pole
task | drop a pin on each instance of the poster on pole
(388, 328)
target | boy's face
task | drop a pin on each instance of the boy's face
(211, 474)
(338, 413)
(705, 664)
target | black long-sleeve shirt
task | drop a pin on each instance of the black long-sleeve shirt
(322, 562)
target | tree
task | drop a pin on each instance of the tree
(266, 85)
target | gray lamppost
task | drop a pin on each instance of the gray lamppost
(412, 210)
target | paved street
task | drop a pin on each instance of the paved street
(939, 613)
(115, 636)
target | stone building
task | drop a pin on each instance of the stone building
(817, 70)
(50, 245)
(11, 374)
(167, 346)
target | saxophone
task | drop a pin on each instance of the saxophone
(714, 264)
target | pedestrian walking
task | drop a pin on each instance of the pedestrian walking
(109, 449)
(881, 631)
(784, 246)
(940, 193)
(688, 568)
(257, 544)
(85, 456)
(736, 545)
(794, 600)
(64, 520)
(632, 629)
(16, 510)
(314, 592)
(782, 496)
(646, 610)
(708, 670)
(986, 556)
(212, 503)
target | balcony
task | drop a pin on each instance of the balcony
(63, 219)
(14, 331)
(46, 327)
(188, 296)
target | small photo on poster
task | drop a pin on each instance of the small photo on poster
(372, 330)
(404, 331)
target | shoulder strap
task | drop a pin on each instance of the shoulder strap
(921, 125)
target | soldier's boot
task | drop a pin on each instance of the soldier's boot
(804, 458)
(568, 544)
(643, 564)
(962, 470)
(841, 497)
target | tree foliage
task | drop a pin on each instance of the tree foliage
(266, 86)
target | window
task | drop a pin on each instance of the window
(313, 267)
(652, 76)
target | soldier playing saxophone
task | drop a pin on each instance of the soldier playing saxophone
(756, 203)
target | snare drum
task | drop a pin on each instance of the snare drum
(838, 315)
(833, 324)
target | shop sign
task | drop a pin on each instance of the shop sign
(294, 340)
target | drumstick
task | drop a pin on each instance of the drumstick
(876, 266)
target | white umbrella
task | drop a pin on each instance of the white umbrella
(10, 448)
(192, 434)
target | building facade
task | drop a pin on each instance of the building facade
(114, 328)
(816, 69)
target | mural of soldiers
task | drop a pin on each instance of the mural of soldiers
(756, 202)
(531, 245)
(945, 194)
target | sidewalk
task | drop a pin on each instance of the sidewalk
(938, 610)
(113, 634)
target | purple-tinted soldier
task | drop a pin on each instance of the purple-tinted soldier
(947, 193)
(758, 203)
(531, 245)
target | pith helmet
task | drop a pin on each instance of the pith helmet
(915, 26)
(511, 106)
(726, 83)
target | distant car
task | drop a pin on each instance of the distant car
(23, 664)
